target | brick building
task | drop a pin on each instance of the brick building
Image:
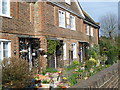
(26, 28)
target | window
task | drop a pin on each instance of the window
(87, 29)
(5, 49)
(68, 20)
(5, 7)
(91, 31)
(64, 51)
(74, 50)
(68, 2)
(72, 19)
(61, 18)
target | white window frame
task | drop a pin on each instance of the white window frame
(91, 31)
(87, 29)
(64, 52)
(74, 46)
(68, 2)
(2, 41)
(72, 22)
(8, 8)
(61, 18)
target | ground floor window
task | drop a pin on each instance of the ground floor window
(5, 47)
(74, 50)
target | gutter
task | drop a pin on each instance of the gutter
(91, 24)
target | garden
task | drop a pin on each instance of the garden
(16, 73)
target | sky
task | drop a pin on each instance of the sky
(97, 9)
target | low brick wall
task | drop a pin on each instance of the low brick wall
(107, 78)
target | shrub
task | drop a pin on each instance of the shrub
(16, 73)
(90, 63)
(75, 62)
(93, 52)
(72, 79)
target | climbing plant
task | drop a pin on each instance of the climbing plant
(52, 46)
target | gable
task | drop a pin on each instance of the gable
(80, 10)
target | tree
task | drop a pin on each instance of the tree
(108, 25)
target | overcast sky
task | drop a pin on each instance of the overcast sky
(99, 8)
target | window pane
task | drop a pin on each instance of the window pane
(61, 19)
(5, 49)
(72, 19)
(4, 7)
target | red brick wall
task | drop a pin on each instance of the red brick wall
(20, 21)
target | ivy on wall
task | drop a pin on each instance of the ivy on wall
(52, 46)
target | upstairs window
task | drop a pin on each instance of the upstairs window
(72, 20)
(61, 18)
(68, 2)
(68, 20)
(5, 49)
(91, 31)
(87, 29)
(5, 7)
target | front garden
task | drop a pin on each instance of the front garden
(16, 73)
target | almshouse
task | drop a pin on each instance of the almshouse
(29, 29)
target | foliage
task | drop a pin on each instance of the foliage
(51, 70)
(108, 49)
(52, 46)
(16, 73)
(72, 79)
(45, 82)
(75, 62)
(90, 63)
(93, 52)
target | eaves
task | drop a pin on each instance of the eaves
(91, 24)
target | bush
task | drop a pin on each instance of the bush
(16, 73)
(72, 79)
(93, 52)
(75, 62)
(90, 63)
